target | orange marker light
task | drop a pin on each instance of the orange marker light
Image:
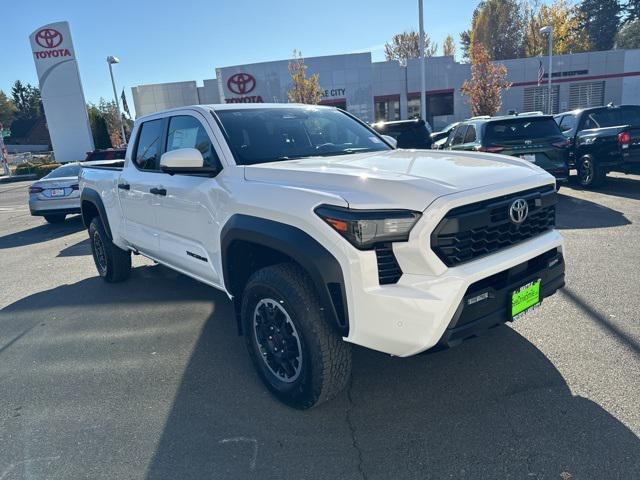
(339, 225)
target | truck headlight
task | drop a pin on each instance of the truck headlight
(364, 228)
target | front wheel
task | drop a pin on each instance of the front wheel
(300, 359)
(589, 173)
(113, 263)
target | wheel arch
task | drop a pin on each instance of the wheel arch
(91, 205)
(249, 243)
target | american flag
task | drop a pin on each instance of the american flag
(540, 73)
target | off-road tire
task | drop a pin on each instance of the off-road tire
(590, 174)
(113, 263)
(326, 359)
(56, 218)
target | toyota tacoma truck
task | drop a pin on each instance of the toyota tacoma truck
(324, 235)
(602, 140)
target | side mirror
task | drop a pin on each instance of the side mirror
(390, 140)
(185, 160)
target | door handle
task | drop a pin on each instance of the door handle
(159, 191)
(124, 186)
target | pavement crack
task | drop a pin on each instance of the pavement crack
(352, 430)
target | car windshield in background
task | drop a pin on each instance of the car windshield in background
(65, 171)
(521, 129)
(260, 135)
(613, 117)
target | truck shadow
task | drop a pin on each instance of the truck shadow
(578, 213)
(42, 233)
(76, 250)
(495, 407)
(625, 186)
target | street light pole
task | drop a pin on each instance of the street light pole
(548, 31)
(423, 100)
(111, 60)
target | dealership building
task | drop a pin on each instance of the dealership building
(390, 91)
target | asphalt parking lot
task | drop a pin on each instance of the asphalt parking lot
(148, 378)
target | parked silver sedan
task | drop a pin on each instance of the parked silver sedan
(57, 195)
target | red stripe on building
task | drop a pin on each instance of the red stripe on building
(578, 79)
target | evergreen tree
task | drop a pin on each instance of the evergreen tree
(99, 129)
(601, 20)
(26, 99)
(7, 110)
(629, 35)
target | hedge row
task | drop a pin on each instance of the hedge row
(40, 169)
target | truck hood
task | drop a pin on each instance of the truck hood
(410, 179)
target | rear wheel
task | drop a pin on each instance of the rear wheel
(57, 218)
(589, 173)
(300, 359)
(113, 263)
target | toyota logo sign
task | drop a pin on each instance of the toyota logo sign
(518, 211)
(241, 83)
(48, 38)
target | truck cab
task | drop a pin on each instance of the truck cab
(602, 140)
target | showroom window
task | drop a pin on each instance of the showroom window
(438, 104)
(387, 109)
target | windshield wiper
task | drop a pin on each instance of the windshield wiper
(347, 151)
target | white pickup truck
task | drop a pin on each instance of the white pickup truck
(323, 234)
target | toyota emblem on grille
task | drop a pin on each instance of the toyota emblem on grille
(518, 211)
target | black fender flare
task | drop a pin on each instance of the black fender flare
(322, 267)
(91, 196)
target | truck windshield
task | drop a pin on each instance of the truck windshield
(521, 129)
(612, 117)
(260, 135)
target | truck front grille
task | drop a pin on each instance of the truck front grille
(481, 228)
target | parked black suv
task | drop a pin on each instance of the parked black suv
(413, 133)
(536, 138)
(602, 139)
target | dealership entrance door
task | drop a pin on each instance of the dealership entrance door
(335, 102)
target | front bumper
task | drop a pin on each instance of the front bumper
(472, 319)
(425, 311)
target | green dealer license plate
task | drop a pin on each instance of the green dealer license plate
(525, 299)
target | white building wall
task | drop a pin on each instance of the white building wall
(355, 79)
(152, 98)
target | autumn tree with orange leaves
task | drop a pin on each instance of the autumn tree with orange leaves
(488, 80)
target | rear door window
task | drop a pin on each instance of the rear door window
(470, 136)
(612, 117)
(147, 155)
(458, 135)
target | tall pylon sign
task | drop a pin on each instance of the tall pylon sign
(61, 90)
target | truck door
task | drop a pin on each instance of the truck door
(190, 214)
(138, 188)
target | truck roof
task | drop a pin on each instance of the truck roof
(232, 106)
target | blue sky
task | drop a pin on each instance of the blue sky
(162, 41)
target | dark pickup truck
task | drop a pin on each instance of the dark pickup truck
(603, 139)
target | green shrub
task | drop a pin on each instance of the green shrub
(40, 169)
